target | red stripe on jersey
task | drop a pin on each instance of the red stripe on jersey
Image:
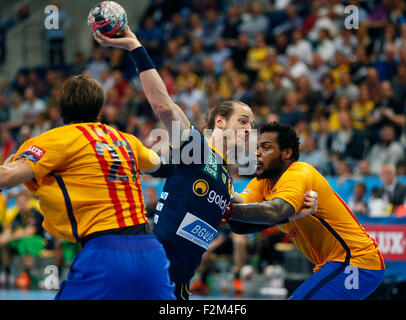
(126, 184)
(110, 184)
(362, 228)
(138, 183)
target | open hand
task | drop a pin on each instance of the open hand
(128, 41)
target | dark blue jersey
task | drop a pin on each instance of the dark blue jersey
(192, 204)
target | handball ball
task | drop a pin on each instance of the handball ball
(109, 18)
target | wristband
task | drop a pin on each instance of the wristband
(141, 59)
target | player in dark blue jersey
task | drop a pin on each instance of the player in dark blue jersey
(196, 193)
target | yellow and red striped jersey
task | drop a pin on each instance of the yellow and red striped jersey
(332, 233)
(87, 178)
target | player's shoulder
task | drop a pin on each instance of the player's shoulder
(61, 133)
(301, 168)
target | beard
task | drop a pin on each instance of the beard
(275, 169)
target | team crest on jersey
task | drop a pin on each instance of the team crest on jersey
(224, 177)
(211, 167)
(33, 153)
(200, 187)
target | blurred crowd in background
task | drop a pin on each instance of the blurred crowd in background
(342, 89)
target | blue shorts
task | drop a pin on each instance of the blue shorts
(119, 267)
(339, 281)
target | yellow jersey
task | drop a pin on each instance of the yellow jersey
(87, 178)
(332, 233)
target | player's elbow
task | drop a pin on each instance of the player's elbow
(163, 108)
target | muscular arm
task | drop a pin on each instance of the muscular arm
(154, 88)
(271, 212)
(14, 173)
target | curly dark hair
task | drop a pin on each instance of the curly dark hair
(287, 137)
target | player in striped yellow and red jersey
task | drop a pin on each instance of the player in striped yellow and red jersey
(79, 158)
(86, 175)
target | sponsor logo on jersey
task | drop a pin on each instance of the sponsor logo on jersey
(230, 187)
(156, 218)
(164, 195)
(33, 153)
(200, 187)
(224, 177)
(211, 167)
(159, 206)
(197, 231)
(213, 197)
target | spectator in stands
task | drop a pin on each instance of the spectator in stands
(399, 85)
(7, 143)
(270, 66)
(327, 91)
(362, 108)
(295, 68)
(347, 87)
(301, 47)
(55, 38)
(291, 113)
(212, 28)
(357, 203)
(359, 67)
(388, 111)
(4, 108)
(197, 55)
(256, 21)
(387, 66)
(363, 169)
(290, 22)
(96, 65)
(373, 84)
(23, 235)
(257, 54)
(192, 96)
(240, 52)
(348, 143)
(387, 150)
(232, 22)
(325, 46)
(307, 97)
(277, 94)
(239, 89)
(392, 192)
(316, 157)
(340, 65)
(317, 70)
(150, 35)
(176, 28)
(346, 43)
(219, 55)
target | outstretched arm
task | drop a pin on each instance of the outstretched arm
(271, 212)
(14, 173)
(275, 211)
(154, 88)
